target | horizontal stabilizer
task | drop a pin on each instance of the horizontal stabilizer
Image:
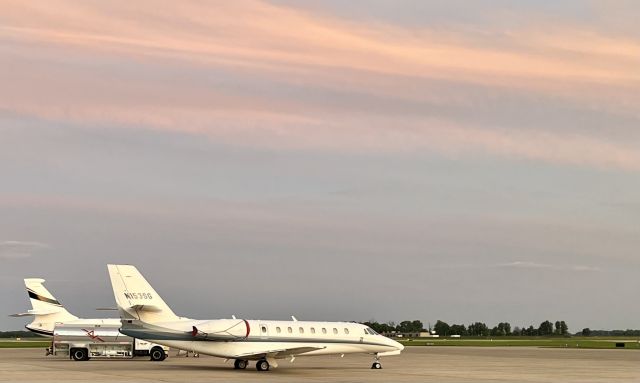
(149, 308)
(21, 315)
(35, 312)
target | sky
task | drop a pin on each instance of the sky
(364, 160)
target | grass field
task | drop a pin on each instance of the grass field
(573, 342)
(30, 343)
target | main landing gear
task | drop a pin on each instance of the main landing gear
(262, 365)
(240, 364)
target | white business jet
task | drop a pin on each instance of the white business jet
(146, 316)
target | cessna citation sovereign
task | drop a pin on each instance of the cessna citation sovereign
(146, 316)
(47, 311)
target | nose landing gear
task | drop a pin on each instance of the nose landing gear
(376, 363)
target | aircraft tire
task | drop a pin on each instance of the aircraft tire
(376, 366)
(262, 365)
(240, 364)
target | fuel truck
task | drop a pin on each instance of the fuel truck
(83, 342)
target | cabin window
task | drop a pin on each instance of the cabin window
(324, 330)
(346, 331)
(264, 329)
(301, 330)
(313, 330)
(289, 330)
(278, 330)
(335, 331)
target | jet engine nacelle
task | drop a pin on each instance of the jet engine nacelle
(223, 329)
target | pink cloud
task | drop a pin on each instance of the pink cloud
(286, 46)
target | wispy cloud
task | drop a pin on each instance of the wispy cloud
(288, 78)
(547, 266)
(20, 249)
(523, 265)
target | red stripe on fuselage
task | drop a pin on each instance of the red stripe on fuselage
(248, 328)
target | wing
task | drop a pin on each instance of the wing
(277, 353)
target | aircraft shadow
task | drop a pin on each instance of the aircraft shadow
(251, 368)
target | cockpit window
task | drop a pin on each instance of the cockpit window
(369, 330)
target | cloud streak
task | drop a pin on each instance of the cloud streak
(20, 249)
(523, 265)
(281, 77)
(528, 265)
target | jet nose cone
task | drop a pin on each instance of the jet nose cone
(397, 345)
(391, 347)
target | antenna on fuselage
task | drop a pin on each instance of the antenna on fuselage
(294, 318)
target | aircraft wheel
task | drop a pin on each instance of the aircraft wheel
(157, 354)
(376, 366)
(80, 354)
(262, 365)
(240, 364)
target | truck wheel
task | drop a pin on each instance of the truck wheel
(157, 354)
(79, 354)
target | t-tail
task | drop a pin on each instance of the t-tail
(45, 308)
(135, 297)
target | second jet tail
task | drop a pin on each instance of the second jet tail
(46, 310)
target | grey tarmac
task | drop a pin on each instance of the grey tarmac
(416, 364)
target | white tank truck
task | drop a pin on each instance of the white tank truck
(83, 342)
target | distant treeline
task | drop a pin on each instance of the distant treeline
(546, 328)
(18, 334)
(589, 332)
(442, 328)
